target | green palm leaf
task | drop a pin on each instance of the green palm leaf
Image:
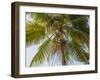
(80, 53)
(77, 35)
(34, 33)
(43, 53)
(80, 22)
(40, 17)
(75, 41)
(73, 49)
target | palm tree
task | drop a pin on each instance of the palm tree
(67, 35)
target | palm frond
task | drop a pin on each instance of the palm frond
(40, 17)
(54, 22)
(45, 20)
(81, 53)
(43, 53)
(75, 40)
(77, 35)
(75, 51)
(34, 33)
(80, 22)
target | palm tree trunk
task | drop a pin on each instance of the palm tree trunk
(62, 53)
(62, 44)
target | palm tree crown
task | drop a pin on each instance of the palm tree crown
(64, 34)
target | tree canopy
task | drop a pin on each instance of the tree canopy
(68, 34)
